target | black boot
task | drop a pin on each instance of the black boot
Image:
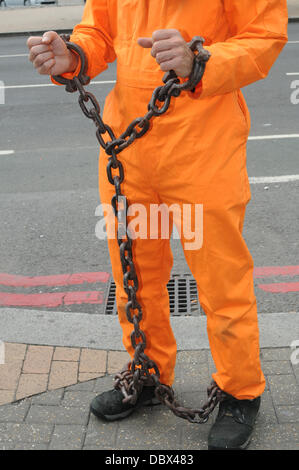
(234, 424)
(110, 407)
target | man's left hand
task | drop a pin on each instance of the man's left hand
(170, 50)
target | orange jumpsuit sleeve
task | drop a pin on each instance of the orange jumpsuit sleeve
(258, 34)
(93, 35)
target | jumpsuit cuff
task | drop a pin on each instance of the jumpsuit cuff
(69, 75)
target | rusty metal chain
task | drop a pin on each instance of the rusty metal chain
(141, 370)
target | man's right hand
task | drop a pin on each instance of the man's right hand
(49, 54)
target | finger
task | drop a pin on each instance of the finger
(161, 34)
(165, 56)
(49, 37)
(161, 46)
(145, 42)
(42, 59)
(35, 50)
(45, 69)
(169, 65)
(34, 41)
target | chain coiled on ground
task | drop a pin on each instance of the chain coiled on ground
(141, 370)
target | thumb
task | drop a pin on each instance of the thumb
(49, 37)
(145, 42)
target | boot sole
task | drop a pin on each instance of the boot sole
(124, 414)
(242, 447)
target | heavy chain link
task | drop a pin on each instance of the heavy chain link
(141, 370)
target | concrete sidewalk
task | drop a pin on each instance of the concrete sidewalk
(293, 7)
(37, 19)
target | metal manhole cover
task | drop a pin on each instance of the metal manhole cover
(182, 292)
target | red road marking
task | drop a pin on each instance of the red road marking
(50, 281)
(269, 271)
(50, 299)
(278, 287)
(281, 287)
(95, 297)
(92, 297)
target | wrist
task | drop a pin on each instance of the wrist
(73, 61)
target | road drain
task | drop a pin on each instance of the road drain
(182, 292)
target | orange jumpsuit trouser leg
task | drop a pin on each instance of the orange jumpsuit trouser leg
(152, 260)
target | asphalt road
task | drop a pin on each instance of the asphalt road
(49, 189)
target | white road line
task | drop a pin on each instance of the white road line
(292, 73)
(6, 152)
(41, 85)
(13, 55)
(105, 82)
(273, 179)
(293, 42)
(11, 87)
(273, 137)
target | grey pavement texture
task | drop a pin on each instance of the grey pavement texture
(60, 419)
(39, 18)
(104, 332)
(293, 7)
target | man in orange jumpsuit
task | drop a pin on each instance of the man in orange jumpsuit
(194, 154)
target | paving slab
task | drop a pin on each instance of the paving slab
(30, 370)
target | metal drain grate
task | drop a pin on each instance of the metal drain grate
(182, 292)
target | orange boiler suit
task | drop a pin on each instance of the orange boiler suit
(194, 154)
